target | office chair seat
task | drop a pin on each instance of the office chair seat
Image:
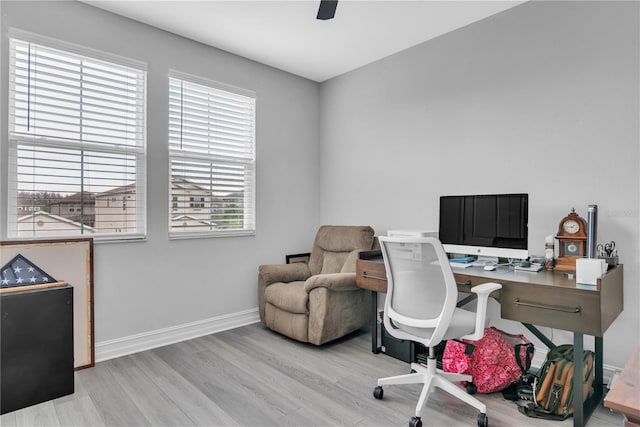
(421, 306)
(462, 323)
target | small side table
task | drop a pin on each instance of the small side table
(624, 395)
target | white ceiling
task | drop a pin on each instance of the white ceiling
(286, 34)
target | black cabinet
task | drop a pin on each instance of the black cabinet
(409, 351)
(399, 349)
(36, 346)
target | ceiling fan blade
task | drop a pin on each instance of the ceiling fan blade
(327, 9)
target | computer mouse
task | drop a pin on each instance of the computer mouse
(489, 267)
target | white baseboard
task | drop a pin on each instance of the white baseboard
(111, 349)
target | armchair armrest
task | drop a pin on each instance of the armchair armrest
(483, 292)
(333, 281)
(272, 273)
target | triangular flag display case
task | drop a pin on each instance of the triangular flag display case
(22, 272)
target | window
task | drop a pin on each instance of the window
(196, 202)
(212, 157)
(76, 134)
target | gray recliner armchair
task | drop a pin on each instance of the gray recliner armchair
(318, 301)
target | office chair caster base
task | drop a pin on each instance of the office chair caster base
(471, 388)
(415, 422)
(483, 420)
(378, 392)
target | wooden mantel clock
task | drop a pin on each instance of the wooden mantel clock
(572, 237)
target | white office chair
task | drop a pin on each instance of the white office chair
(421, 306)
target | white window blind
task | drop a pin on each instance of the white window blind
(212, 159)
(76, 145)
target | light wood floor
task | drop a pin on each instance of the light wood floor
(251, 376)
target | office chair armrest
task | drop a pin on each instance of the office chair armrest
(273, 273)
(333, 281)
(483, 292)
(486, 288)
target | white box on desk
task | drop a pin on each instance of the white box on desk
(589, 270)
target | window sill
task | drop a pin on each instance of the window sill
(214, 234)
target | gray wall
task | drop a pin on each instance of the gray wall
(542, 99)
(156, 284)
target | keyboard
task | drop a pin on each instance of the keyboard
(533, 267)
(481, 264)
(460, 264)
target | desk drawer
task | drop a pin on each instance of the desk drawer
(567, 309)
(370, 274)
(468, 280)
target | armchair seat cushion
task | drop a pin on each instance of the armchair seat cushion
(290, 297)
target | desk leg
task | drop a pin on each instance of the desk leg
(542, 337)
(598, 381)
(578, 362)
(582, 413)
(374, 323)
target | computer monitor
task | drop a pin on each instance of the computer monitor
(486, 226)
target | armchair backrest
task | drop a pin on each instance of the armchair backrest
(336, 248)
(421, 292)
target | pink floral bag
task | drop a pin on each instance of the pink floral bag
(492, 364)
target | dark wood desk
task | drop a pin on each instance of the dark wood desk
(545, 298)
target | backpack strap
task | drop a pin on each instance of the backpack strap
(527, 358)
(468, 347)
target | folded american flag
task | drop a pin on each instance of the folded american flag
(22, 272)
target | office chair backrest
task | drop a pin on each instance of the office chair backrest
(421, 293)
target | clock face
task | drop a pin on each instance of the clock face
(571, 226)
(571, 249)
